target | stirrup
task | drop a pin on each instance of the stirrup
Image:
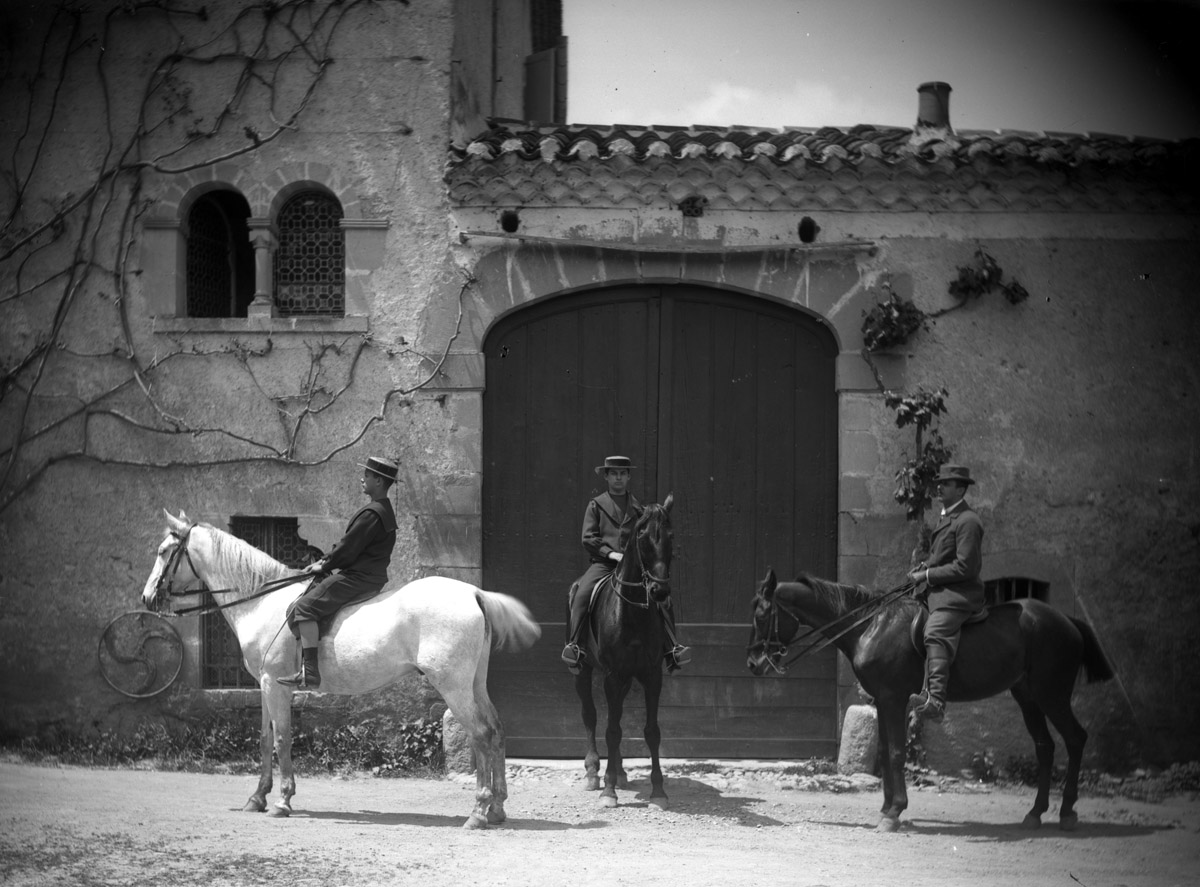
(928, 708)
(296, 680)
(573, 656)
(678, 657)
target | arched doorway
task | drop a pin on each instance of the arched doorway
(726, 400)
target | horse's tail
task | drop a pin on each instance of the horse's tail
(1096, 666)
(511, 622)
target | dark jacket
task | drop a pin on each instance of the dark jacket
(602, 532)
(955, 560)
(365, 551)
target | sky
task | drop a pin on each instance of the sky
(1071, 66)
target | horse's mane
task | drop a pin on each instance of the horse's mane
(838, 597)
(236, 557)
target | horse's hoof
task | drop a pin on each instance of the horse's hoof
(254, 805)
(591, 784)
(608, 800)
(661, 803)
(475, 821)
(888, 824)
(1068, 822)
(496, 816)
(280, 810)
(1031, 821)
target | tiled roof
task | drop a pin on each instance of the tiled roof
(866, 168)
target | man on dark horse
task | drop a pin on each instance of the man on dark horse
(608, 521)
(955, 591)
(361, 560)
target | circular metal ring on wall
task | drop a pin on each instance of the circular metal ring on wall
(140, 654)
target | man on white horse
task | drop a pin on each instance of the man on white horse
(361, 559)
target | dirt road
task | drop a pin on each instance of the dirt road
(734, 826)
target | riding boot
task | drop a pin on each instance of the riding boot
(931, 702)
(572, 654)
(309, 676)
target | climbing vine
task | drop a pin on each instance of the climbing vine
(890, 323)
(228, 82)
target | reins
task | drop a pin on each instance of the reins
(872, 608)
(646, 581)
(212, 606)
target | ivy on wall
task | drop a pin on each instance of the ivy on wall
(890, 323)
(226, 85)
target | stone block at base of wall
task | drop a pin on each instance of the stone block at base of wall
(456, 746)
(860, 740)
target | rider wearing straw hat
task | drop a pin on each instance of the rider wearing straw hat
(361, 560)
(955, 589)
(607, 523)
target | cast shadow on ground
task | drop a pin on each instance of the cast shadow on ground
(437, 820)
(1002, 833)
(693, 797)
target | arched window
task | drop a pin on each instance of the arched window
(1010, 588)
(310, 261)
(220, 259)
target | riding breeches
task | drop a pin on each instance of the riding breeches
(944, 626)
(578, 604)
(328, 595)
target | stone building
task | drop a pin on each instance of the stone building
(280, 265)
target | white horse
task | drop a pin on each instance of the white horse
(441, 627)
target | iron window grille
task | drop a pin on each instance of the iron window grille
(310, 260)
(1011, 588)
(221, 657)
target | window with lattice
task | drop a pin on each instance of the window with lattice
(220, 258)
(310, 259)
(221, 657)
(1011, 588)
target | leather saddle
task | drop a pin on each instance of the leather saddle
(916, 632)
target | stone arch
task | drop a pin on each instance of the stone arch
(827, 288)
(289, 179)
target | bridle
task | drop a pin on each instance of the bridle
(773, 648)
(167, 576)
(650, 584)
(169, 572)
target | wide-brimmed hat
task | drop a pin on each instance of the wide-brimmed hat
(959, 473)
(383, 467)
(615, 462)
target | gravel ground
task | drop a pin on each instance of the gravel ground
(728, 823)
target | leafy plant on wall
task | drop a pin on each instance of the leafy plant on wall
(891, 323)
(233, 80)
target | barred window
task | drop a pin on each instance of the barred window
(1010, 588)
(310, 261)
(221, 657)
(220, 258)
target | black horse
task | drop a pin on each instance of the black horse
(625, 640)
(1025, 646)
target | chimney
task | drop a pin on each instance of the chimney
(933, 108)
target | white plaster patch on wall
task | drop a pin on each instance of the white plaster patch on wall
(564, 281)
(800, 294)
(518, 286)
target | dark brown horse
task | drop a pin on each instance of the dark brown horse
(626, 641)
(1025, 646)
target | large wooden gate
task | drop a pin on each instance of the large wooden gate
(725, 400)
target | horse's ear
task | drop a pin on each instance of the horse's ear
(177, 524)
(769, 583)
(668, 502)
